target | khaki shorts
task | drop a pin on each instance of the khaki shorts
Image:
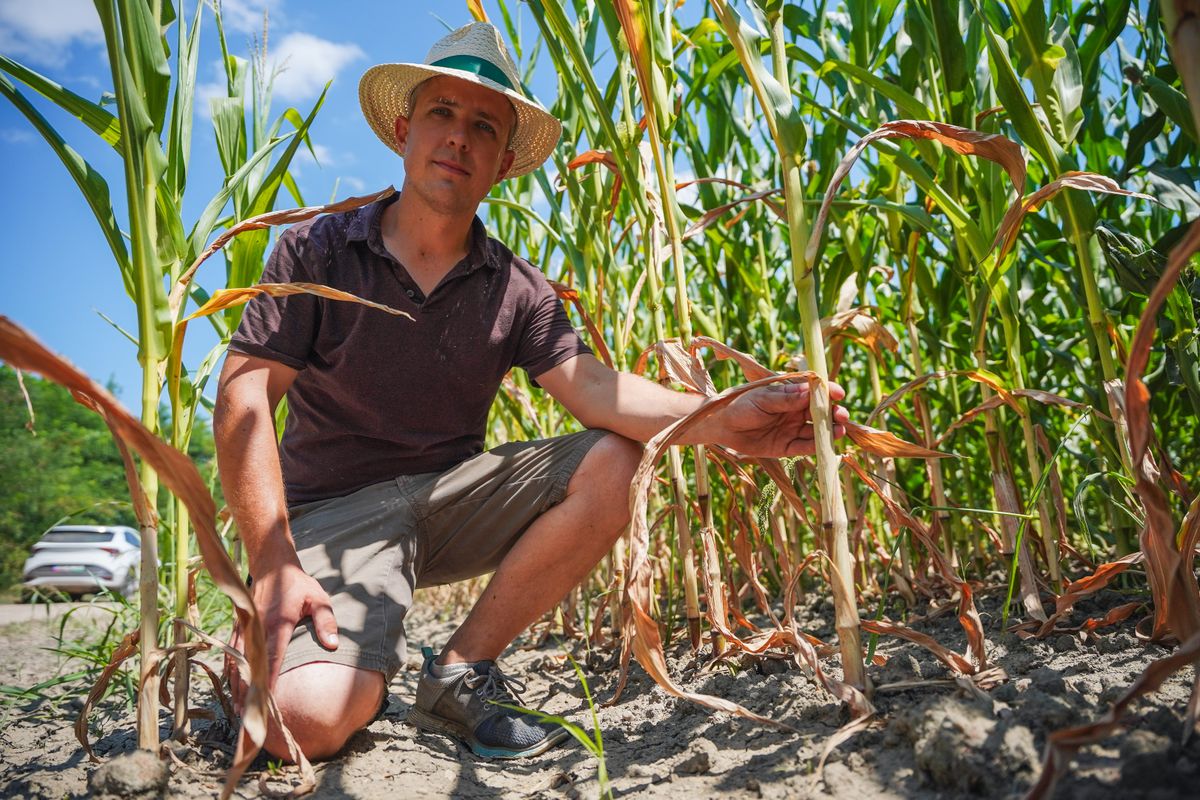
(369, 550)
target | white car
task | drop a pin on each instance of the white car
(76, 559)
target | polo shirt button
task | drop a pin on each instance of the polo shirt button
(411, 293)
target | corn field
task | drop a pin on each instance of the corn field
(980, 218)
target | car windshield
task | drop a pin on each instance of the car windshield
(78, 537)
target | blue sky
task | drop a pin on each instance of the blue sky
(57, 276)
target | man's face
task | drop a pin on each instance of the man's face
(455, 143)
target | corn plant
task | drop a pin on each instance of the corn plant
(152, 132)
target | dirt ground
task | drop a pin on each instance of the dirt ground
(931, 740)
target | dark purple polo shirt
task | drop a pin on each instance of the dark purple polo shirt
(378, 395)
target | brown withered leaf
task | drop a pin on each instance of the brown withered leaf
(1006, 234)
(898, 516)
(956, 663)
(605, 158)
(994, 147)
(476, 9)
(127, 648)
(308, 776)
(1043, 397)
(985, 378)
(565, 292)
(753, 370)
(1090, 584)
(641, 635)
(227, 298)
(267, 220)
(20, 349)
(858, 325)
(883, 443)
(713, 214)
(677, 365)
(1172, 580)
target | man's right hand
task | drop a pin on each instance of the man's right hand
(285, 596)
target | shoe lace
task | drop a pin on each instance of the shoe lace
(496, 687)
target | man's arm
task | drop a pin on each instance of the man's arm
(769, 421)
(248, 460)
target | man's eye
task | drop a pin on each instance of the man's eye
(487, 127)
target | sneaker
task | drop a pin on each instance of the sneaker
(463, 705)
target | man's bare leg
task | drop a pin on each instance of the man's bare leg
(553, 555)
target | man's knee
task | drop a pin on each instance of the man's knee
(324, 704)
(611, 460)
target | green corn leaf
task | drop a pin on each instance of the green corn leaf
(1171, 102)
(210, 218)
(1108, 19)
(90, 182)
(906, 104)
(229, 127)
(179, 137)
(263, 199)
(146, 53)
(782, 116)
(90, 114)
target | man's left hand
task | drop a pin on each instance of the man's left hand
(774, 421)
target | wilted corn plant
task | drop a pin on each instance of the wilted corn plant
(1014, 321)
(152, 132)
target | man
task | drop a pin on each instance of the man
(378, 485)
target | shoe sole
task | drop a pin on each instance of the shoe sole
(435, 724)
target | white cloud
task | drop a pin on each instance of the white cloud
(355, 185)
(43, 32)
(324, 156)
(15, 135)
(304, 62)
(246, 16)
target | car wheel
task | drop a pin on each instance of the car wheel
(130, 586)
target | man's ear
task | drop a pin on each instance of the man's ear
(505, 165)
(401, 133)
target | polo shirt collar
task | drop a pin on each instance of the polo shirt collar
(366, 226)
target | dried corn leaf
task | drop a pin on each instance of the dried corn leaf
(858, 325)
(1006, 234)
(177, 473)
(1172, 580)
(648, 647)
(127, 648)
(883, 443)
(677, 365)
(227, 298)
(565, 292)
(308, 776)
(956, 663)
(753, 370)
(476, 9)
(979, 376)
(713, 214)
(898, 517)
(267, 220)
(1003, 151)
(606, 158)
(642, 637)
(1046, 398)
(1078, 589)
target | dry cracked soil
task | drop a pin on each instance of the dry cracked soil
(930, 738)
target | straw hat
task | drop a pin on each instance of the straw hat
(472, 53)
